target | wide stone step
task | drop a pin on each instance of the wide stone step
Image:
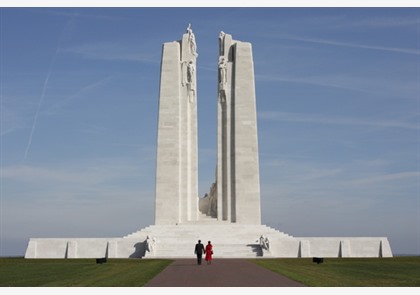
(229, 240)
(220, 251)
(221, 230)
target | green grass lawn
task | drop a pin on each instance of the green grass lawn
(19, 272)
(349, 272)
(334, 272)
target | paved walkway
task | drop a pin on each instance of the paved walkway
(221, 273)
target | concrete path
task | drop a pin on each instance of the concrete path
(221, 273)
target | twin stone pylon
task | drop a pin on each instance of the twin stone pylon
(229, 215)
(235, 195)
(176, 167)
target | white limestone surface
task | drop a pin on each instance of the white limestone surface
(229, 241)
(230, 217)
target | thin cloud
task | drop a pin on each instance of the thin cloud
(35, 174)
(354, 45)
(89, 175)
(369, 81)
(318, 119)
(385, 22)
(386, 178)
(74, 13)
(112, 52)
(316, 81)
(82, 91)
(9, 121)
(341, 22)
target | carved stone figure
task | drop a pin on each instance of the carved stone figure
(222, 72)
(150, 244)
(191, 81)
(189, 30)
(190, 72)
(222, 96)
(222, 43)
(264, 243)
(191, 40)
(222, 79)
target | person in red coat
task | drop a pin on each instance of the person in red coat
(209, 252)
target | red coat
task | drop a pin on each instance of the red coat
(209, 252)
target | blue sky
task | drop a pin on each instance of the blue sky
(338, 105)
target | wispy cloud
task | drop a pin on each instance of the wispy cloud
(321, 119)
(349, 21)
(74, 13)
(93, 174)
(92, 86)
(354, 45)
(380, 22)
(112, 52)
(386, 178)
(10, 120)
(356, 181)
(332, 82)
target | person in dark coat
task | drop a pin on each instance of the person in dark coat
(199, 251)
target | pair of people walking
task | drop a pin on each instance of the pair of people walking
(200, 250)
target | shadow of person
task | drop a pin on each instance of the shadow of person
(256, 248)
(139, 250)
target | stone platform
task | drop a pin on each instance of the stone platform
(229, 241)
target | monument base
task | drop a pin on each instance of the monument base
(229, 241)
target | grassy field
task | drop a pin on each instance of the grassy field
(334, 272)
(19, 272)
(349, 272)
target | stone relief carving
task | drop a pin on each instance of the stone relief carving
(150, 244)
(222, 79)
(222, 71)
(191, 81)
(222, 43)
(264, 243)
(188, 79)
(190, 72)
(191, 40)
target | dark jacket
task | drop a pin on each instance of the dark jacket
(199, 249)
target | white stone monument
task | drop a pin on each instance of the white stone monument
(229, 215)
(176, 168)
(238, 177)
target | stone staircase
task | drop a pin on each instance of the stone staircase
(229, 240)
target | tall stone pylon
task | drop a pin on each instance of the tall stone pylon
(237, 178)
(177, 161)
(230, 213)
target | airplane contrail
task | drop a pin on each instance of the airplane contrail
(39, 108)
(44, 90)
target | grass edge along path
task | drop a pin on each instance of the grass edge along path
(348, 272)
(334, 272)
